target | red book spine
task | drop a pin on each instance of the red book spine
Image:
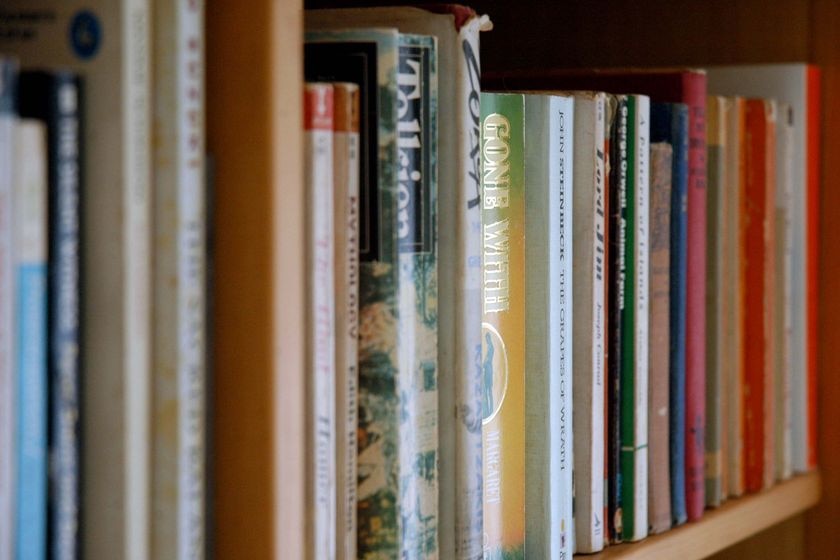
(754, 213)
(812, 240)
(694, 95)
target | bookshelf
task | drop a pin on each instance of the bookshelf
(527, 33)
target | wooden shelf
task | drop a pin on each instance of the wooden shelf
(720, 528)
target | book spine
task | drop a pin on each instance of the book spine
(465, 203)
(64, 311)
(548, 338)
(695, 349)
(179, 279)
(659, 491)
(30, 242)
(634, 366)
(770, 311)
(589, 320)
(716, 335)
(346, 259)
(418, 311)
(679, 240)
(503, 327)
(618, 246)
(783, 300)
(813, 251)
(8, 78)
(318, 124)
(735, 169)
(610, 105)
(753, 258)
(136, 275)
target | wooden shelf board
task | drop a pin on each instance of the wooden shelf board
(736, 520)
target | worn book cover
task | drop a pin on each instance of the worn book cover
(109, 44)
(346, 261)
(589, 318)
(659, 477)
(549, 169)
(503, 327)
(8, 120)
(54, 98)
(716, 141)
(634, 317)
(29, 199)
(320, 323)
(669, 123)
(615, 308)
(457, 29)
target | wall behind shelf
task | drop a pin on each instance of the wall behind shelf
(580, 33)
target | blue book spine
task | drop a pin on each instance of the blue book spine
(32, 410)
(54, 98)
(669, 123)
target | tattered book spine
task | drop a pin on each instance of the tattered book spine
(503, 326)
(418, 312)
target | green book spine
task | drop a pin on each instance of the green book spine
(503, 327)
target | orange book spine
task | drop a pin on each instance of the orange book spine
(753, 262)
(769, 309)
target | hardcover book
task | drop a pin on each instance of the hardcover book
(179, 315)
(670, 123)
(715, 314)
(54, 98)
(549, 169)
(29, 199)
(659, 477)
(8, 123)
(346, 261)
(797, 84)
(459, 296)
(589, 316)
(665, 85)
(756, 202)
(618, 158)
(320, 324)
(109, 44)
(503, 327)
(634, 317)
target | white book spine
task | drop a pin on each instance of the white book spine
(549, 121)
(178, 480)
(320, 323)
(7, 388)
(589, 320)
(642, 256)
(136, 282)
(346, 259)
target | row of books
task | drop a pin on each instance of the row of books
(557, 319)
(102, 280)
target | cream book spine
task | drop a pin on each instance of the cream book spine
(179, 370)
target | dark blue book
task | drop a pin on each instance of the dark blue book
(54, 98)
(669, 123)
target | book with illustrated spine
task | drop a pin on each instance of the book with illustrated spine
(179, 316)
(634, 336)
(346, 262)
(503, 326)
(29, 200)
(549, 172)
(457, 29)
(320, 356)
(55, 99)
(589, 241)
(659, 472)
(109, 44)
